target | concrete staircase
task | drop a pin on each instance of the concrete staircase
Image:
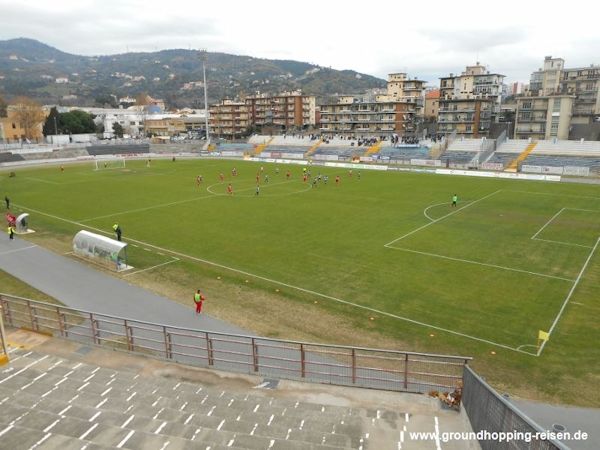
(260, 147)
(313, 148)
(55, 402)
(514, 164)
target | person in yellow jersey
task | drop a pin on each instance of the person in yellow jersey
(118, 231)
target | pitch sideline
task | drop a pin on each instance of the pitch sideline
(300, 289)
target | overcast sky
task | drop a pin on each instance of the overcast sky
(426, 39)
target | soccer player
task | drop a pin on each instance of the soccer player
(148, 163)
(288, 175)
(337, 180)
(62, 169)
(350, 173)
(358, 174)
(454, 200)
(257, 189)
(230, 189)
(7, 200)
(11, 232)
(198, 180)
(325, 178)
(257, 177)
(198, 300)
(222, 177)
(266, 178)
(304, 178)
(234, 172)
(276, 170)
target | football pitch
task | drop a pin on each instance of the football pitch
(510, 259)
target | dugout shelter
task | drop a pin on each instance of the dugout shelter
(101, 249)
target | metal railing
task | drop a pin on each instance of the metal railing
(490, 413)
(320, 363)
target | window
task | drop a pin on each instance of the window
(526, 105)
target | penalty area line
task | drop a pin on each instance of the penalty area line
(441, 218)
(297, 288)
(569, 295)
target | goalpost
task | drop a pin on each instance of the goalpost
(112, 163)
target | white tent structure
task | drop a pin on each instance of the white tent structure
(101, 249)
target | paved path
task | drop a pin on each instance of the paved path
(78, 286)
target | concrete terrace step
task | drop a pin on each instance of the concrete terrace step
(49, 383)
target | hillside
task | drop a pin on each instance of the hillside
(29, 67)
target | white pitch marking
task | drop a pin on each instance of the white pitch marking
(156, 401)
(256, 407)
(211, 411)
(564, 305)
(125, 439)
(433, 206)
(563, 243)
(270, 420)
(83, 436)
(441, 218)
(547, 223)
(553, 194)
(183, 406)
(280, 283)
(511, 269)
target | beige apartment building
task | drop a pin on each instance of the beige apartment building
(468, 117)
(469, 101)
(400, 88)
(288, 111)
(543, 117)
(229, 119)
(366, 119)
(581, 82)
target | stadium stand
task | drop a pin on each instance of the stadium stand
(10, 157)
(458, 157)
(55, 397)
(121, 149)
(465, 145)
(57, 154)
(502, 158)
(562, 161)
(568, 148)
(405, 152)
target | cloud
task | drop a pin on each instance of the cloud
(474, 39)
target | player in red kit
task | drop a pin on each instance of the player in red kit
(230, 189)
(337, 180)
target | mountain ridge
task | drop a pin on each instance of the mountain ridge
(29, 67)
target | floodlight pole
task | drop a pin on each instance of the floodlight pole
(204, 57)
(2, 334)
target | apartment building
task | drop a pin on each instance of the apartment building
(432, 104)
(470, 101)
(543, 117)
(229, 119)
(403, 89)
(16, 127)
(366, 119)
(287, 111)
(581, 82)
(469, 117)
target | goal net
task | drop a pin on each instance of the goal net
(113, 163)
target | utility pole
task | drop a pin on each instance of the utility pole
(203, 56)
(55, 127)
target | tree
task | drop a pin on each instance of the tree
(30, 115)
(117, 129)
(77, 122)
(51, 124)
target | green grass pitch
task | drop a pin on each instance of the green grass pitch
(487, 274)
